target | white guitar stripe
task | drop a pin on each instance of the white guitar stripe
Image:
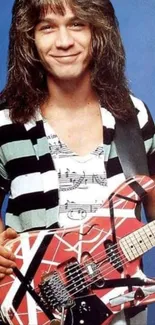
(31, 305)
(29, 254)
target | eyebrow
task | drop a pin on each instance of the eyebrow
(52, 20)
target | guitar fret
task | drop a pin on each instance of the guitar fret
(135, 249)
(129, 247)
(147, 242)
(139, 242)
(151, 234)
(124, 245)
(150, 241)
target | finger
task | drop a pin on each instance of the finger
(9, 233)
(7, 260)
(2, 275)
(6, 271)
(8, 254)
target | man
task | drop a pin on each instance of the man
(66, 86)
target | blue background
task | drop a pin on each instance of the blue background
(137, 25)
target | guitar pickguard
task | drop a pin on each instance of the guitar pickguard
(88, 310)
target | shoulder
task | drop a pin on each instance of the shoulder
(146, 123)
(9, 131)
(143, 114)
(145, 119)
(4, 115)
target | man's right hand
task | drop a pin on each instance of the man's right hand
(7, 258)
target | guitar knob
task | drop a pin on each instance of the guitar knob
(139, 294)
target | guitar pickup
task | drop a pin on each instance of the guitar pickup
(91, 269)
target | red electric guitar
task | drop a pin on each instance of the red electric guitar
(86, 274)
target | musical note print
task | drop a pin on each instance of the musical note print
(71, 180)
(77, 211)
(82, 181)
(58, 148)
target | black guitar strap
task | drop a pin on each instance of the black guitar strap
(130, 147)
(131, 152)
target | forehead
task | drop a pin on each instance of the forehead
(50, 11)
(57, 7)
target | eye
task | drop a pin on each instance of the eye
(77, 25)
(46, 27)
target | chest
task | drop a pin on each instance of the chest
(82, 134)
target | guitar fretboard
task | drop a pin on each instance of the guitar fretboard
(138, 242)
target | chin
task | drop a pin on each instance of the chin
(68, 77)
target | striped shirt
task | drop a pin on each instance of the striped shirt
(28, 174)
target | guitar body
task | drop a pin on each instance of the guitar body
(82, 275)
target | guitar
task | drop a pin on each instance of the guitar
(86, 274)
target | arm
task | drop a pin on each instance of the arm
(6, 257)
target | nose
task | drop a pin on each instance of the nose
(64, 39)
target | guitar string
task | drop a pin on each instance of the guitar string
(101, 255)
(73, 292)
(95, 280)
(89, 260)
(115, 245)
(78, 282)
(114, 197)
(110, 268)
(103, 269)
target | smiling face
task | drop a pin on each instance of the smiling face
(63, 43)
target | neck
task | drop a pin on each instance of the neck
(69, 95)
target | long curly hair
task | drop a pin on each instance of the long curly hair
(26, 86)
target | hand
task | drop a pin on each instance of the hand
(7, 258)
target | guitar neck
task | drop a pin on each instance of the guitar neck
(139, 242)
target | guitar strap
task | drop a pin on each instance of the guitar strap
(130, 147)
(131, 152)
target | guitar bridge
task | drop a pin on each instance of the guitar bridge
(54, 292)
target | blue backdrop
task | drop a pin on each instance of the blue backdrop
(137, 25)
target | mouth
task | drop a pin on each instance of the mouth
(65, 56)
(65, 59)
